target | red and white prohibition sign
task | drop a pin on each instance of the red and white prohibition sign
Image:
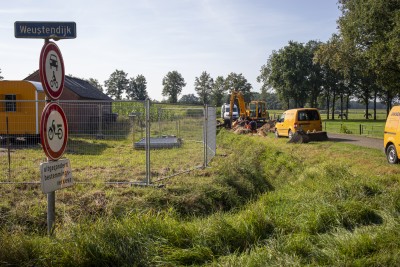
(53, 131)
(51, 69)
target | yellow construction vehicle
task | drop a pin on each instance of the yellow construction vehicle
(254, 110)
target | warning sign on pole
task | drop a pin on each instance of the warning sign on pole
(53, 131)
(51, 69)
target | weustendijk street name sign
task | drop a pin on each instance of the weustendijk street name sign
(45, 29)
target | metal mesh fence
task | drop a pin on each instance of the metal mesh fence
(104, 140)
(210, 137)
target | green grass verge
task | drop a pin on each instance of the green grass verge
(368, 128)
(264, 202)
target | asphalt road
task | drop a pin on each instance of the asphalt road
(357, 140)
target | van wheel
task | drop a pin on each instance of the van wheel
(290, 134)
(276, 133)
(391, 154)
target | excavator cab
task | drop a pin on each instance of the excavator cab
(257, 111)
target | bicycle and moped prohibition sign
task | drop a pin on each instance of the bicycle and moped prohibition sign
(51, 69)
(53, 131)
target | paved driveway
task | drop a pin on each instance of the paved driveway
(357, 140)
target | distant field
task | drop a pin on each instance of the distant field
(355, 124)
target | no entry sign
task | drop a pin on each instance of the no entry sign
(53, 131)
(51, 69)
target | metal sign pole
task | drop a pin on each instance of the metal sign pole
(51, 202)
(51, 212)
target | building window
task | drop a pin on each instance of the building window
(11, 104)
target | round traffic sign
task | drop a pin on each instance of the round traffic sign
(51, 69)
(53, 131)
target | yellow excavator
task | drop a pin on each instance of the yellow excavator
(254, 110)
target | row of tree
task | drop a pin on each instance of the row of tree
(209, 91)
(361, 61)
(119, 86)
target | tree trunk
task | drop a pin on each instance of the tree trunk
(388, 103)
(327, 105)
(366, 109)
(341, 106)
(375, 96)
(347, 106)
(333, 105)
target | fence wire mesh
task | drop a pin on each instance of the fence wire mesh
(103, 138)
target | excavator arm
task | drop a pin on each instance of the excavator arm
(242, 106)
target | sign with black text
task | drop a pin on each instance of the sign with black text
(45, 30)
(55, 175)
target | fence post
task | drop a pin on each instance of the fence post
(100, 122)
(147, 111)
(205, 135)
(360, 129)
(159, 110)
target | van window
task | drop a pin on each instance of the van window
(281, 118)
(308, 115)
(228, 108)
(11, 104)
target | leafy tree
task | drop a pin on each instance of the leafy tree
(291, 72)
(203, 86)
(314, 78)
(372, 29)
(95, 84)
(173, 83)
(238, 82)
(217, 91)
(271, 77)
(337, 68)
(1, 77)
(117, 83)
(136, 89)
(189, 99)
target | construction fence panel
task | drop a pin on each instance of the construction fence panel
(210, 131)
(102, 141)
(180, 129)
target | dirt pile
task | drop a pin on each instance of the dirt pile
(239, 127)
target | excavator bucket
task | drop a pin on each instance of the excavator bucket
(303, 137)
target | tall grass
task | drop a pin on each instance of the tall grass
(264, 202)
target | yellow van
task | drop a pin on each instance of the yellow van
(293, 120)
(391, 137)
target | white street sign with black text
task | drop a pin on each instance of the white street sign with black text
(55, 175)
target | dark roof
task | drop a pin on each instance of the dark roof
(80, 87)
(84, 89)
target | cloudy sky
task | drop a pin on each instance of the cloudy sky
(154, 37)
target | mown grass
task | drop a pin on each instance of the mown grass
(356, 123)
(369, 128)
(264, 202)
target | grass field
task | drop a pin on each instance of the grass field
(355, 124)
(263, 202)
